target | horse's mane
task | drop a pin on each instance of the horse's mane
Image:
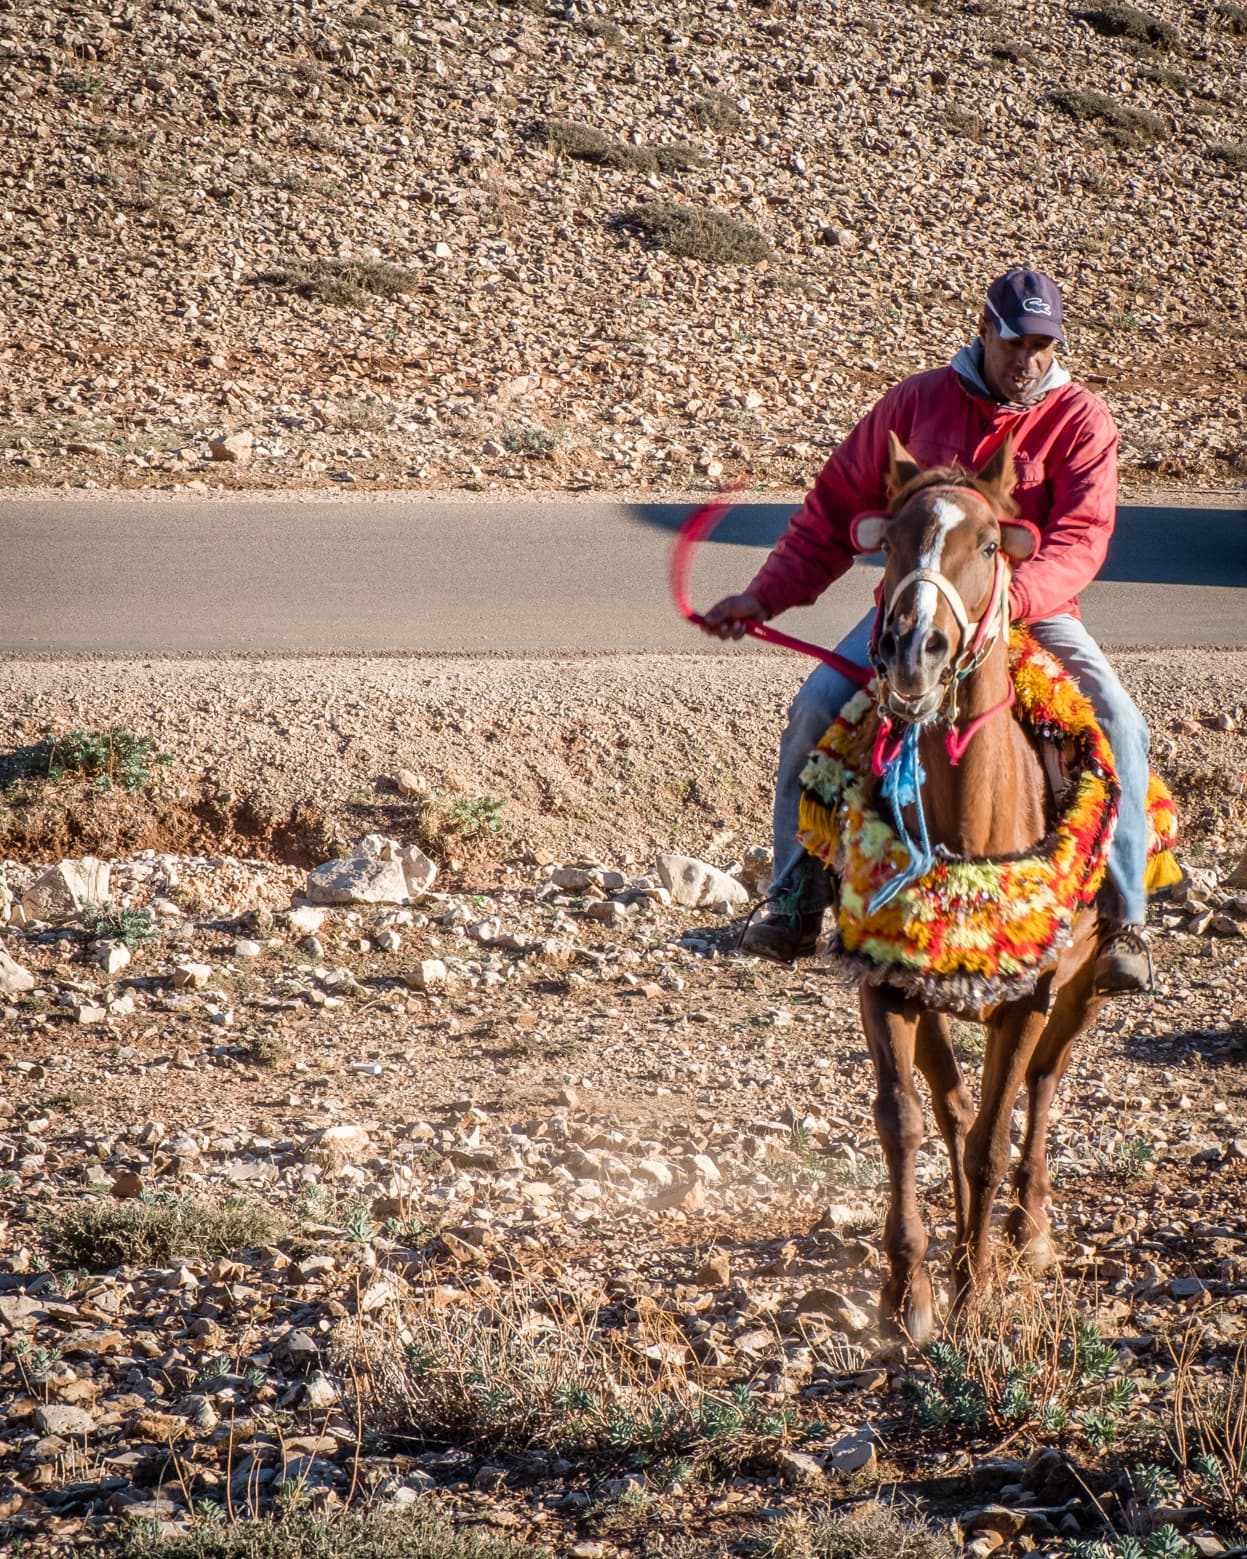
(955, 475)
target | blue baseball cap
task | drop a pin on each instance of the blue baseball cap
(1026, 303)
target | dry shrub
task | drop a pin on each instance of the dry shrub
(1127, 21)
(1125, 126)
(1231, 154)
(537, 1369)
(1231, 19)
(341, 283)
(153, 1230)
(698, 233)
(586, 143)
(716, 111)
(1010, 51)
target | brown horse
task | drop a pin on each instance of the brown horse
(944, 633)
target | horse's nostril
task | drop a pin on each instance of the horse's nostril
(936, 646)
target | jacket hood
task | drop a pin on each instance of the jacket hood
(968, 366)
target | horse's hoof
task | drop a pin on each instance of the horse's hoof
(1039, 1253)
(1032, 1240)
(909, 1314)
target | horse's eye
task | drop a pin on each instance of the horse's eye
(990, 549)
(885, 547)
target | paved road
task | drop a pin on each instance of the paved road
(228, 576)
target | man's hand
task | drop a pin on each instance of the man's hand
(726, 619)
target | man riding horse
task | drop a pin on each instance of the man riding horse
(1007, 382)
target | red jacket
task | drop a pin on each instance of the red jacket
(1065, 450)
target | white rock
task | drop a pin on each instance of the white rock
(65, 889)
(358, 880)
(246, 948)
(63, 1418)
(191, 976)
(696, 884)
(428, 975)
(409, 783)
(110, 956)
(855, 1451)
(306, 918)
(6, 901)
(418, 870)
(236, 447)
(13, 978)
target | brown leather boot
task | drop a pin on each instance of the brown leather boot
(783, 938)
(1123, 962)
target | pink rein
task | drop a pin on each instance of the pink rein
(695, 529)
(699, 525)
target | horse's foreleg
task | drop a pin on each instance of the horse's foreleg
(1012, 1036)
(891, 1025)
(1028, 1225)
(951, 1102)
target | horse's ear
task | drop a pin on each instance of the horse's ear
(902, 467)
(867, 532)
(1000, 472)
(1019, 539)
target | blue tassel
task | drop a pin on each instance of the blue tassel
(902, 786)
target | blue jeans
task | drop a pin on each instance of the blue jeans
(825, 692)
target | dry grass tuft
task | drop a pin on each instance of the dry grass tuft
(698, 233)
(1210, 1431)
(1231, 19)
(869, 1531)
(538, 1369)
(380, 1534)
(341, 283)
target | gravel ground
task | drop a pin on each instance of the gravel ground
(536, 1079)
(186, 184)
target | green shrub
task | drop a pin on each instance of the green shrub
(1125, 126)
(134, 927)
(1051, 1373)
(112, 757)
(698, 233)
(1127, 21)
(152, 1230)
(1232, 19)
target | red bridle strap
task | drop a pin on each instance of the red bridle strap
(695, 529)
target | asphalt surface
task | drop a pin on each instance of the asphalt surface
(491, 576)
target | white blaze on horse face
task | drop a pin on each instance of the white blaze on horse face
(945, 516)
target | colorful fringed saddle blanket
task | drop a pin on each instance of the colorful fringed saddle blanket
(971, 932)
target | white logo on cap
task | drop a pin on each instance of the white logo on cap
(1036, 306)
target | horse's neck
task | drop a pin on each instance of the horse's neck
(993, 801)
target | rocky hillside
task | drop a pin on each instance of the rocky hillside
(406, 243)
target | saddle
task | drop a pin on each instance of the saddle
(972, 932)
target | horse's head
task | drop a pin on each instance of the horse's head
(946, 537)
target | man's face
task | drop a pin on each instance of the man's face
(1014, 368)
